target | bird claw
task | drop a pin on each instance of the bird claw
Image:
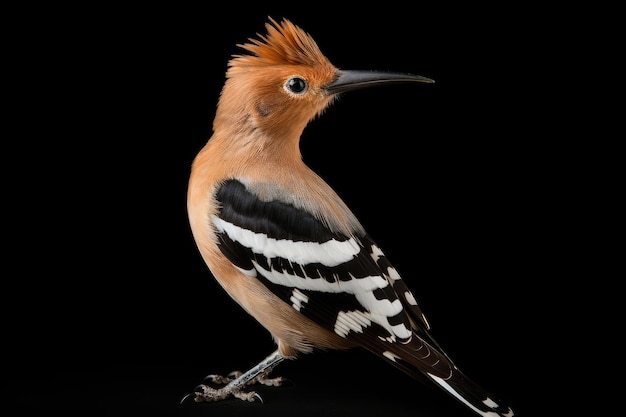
(186, 397)
(251, 396)
(205, 393)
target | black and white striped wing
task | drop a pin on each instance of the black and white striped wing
(343, 283)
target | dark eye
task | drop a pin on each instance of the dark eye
(295, 85)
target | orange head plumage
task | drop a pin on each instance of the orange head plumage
(279, 88)
(284, 82)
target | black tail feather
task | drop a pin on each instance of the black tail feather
(453, 381)
(473, 395)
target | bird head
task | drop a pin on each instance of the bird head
(285, 81)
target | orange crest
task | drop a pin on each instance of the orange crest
(284, 44)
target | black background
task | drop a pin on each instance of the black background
(115, 313)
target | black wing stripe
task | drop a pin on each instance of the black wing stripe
(275, 219)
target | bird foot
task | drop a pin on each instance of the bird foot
(233, 384)
(206, 393)
(261, 379)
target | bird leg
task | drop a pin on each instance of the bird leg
(236, 381)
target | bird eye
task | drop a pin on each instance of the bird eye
(295, 85)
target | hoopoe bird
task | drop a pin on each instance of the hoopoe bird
(283, 244)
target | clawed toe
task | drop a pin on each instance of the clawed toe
(287, 383)
(187, 397)
(252, 396)
(221, 380)
(205, 393)
(270, 382)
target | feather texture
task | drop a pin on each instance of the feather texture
(344, 283)
(279, 239)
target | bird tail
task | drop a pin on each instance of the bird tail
(421, 359)
(472, 395)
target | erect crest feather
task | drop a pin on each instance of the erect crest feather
(284, 44)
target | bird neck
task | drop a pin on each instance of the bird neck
(271, 171)
(250, 150)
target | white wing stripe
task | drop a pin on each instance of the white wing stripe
(330, 253)
(353, 286)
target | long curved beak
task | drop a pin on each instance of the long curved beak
(356, 80)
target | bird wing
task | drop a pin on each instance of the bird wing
(344, 283)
